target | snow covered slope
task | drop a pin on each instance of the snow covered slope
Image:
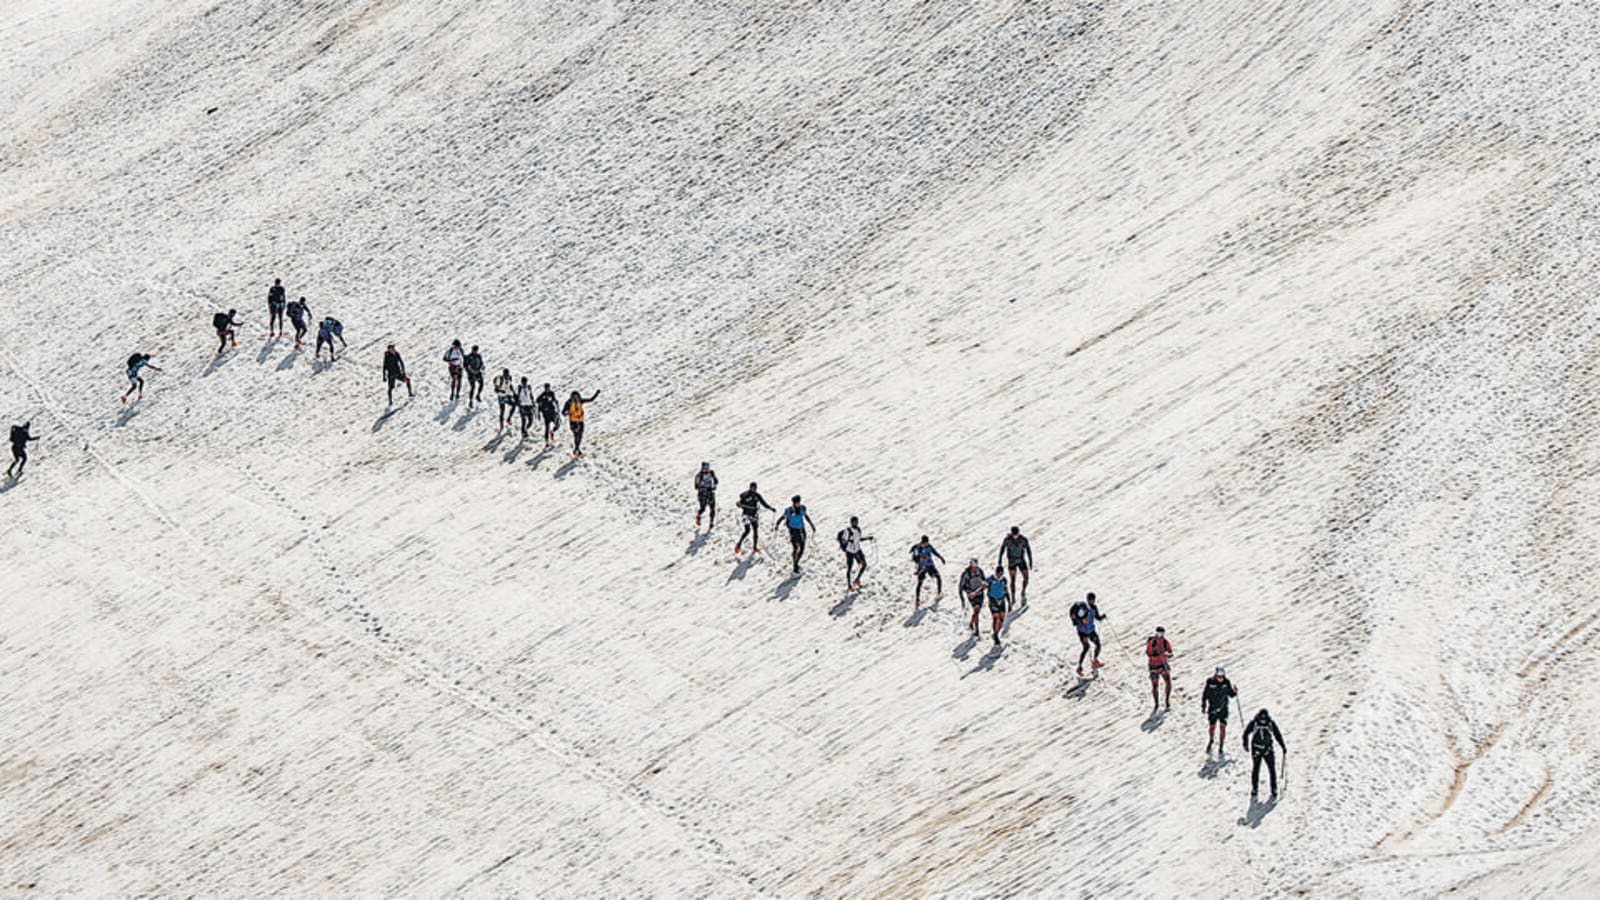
(1269, 323)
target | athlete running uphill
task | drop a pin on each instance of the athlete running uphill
(573, 410)
(1018, 557)
(750, 503)
(850, 542)
(136, 364)
(1214, 703)
(1157, 648)
(225, 323)
(454, 358)
(973, 584)
(705, 491)
(19, 449)
(505, 392)
(275, 306)
(998, 591)
(1258, 738)
(547, 412)
(1085, 614)
(525, 406)
(474, 366)
(923, 554)
(797, 519)
(394, 370)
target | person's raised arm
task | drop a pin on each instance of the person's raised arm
(591, 398)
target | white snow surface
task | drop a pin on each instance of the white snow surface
(1271, 323)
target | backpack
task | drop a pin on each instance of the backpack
(135, 359)
(219, 321)
(997, 588)
(335, 326)
(844, 540)
(19, 435)
(1150, 646)
(1079, 613)
(796, 517)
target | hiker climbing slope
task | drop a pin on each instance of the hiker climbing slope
(1085, 614)
(573, 410)
(922, 556)
(750, 503)
(705, 492)
(20, 436)
(974, 584)
(1017, 555)
(796, 518)
(1214, 704)
(276, 302)
(1258, 738)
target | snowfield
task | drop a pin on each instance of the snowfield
(1270, 323)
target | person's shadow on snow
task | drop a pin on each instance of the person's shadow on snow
(1081, 689)
(127, 415)
(699, 541)
(461, 423)
(1154, 721)
(266, 350)
(10, 482)
(216, 363)
(1011, 619)
(1257, 811)
(566, 468)
(539, 458)
(964, 649)
(782, 591)
(289, 361)
(444, 414)
(987, 661)
(916, 617)
(740, 568)
(318, 366)
(842, 608)
(494, 442)
(1211, 768)
(384, 419)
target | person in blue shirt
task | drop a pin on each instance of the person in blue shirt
(923, 554)
(329, 329)
(796, 518)
(136, 364)
(996, 587)
(1084, 615)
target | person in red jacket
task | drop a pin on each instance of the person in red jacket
(1158, 648)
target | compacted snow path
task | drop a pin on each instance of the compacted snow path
(1270, 324)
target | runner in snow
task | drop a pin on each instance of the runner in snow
(19, 449)
(1157, 648)
(275, 307)
(505, 391)
(573, 410)
(225, 323)
(394, 370)
(973, 585)
(750, 503)
(547, 412)
(298, 311)
(850, 542)
(997, 591)
(136, 364)
(329, 329)
(705, 490)
(525, 402)
(922, 554)
(1018, 557)
(1214, 703)
(1258, 738)
(455, 359)
(797, 519)
(474, 366)
(1084, 615)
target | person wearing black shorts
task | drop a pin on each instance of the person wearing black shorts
(973, 582)
(750, 503)
(797, 519)
(547, 412)
(474, 366)
(705, 490)
(1017, 555)
(1214, 703)
(923, 554)
(276, 301)
(394, 370)
(995, 587)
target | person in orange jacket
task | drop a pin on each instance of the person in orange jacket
(573, 410)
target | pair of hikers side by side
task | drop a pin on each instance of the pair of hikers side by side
(471, 363)
(518, 400)
(298, 312)
(978, 588)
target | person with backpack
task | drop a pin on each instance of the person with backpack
(573, 410)
(547, 412)
(1085, 614)
(1018, 556)
(705, 491)
(525, 402)
(1157, 648)
(275, 307)
(1258, 738)
(454, 358)
(225, 323)
(796, 517)
(298, 311)
(1214, 704)
(474, 367)
(973, 585)
(394, 370)
(850, 542)
(19, 449)
(137, 363)
(505, 391)
(332, 328)
(750, 503)
(998, 591)
(922, 555)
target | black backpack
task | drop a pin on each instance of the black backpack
(844, 539)
(19, 435)
(1079, 613)
(135, 359)
(219, 321)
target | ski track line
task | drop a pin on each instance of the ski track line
(710, 850)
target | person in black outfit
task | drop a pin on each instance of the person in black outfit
(547, 411)
(19, 449)
(1258, 738)
(705, 489)
(474, 376)
(973, 584)
(750, 503)
(225, 323)
(276, 302)
(1214, 703)
(298, 311)
(394, 370)
(1018, 557)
